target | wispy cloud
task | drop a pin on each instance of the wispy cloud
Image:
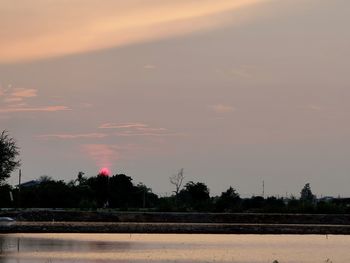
(74, 136)
(17, 94)
(34, 109)
(123, 130)
(313, 107)
(14, 100)
(138, 129)
(310, 107)
(24, 93)
(129, 134)
(222, 108)
(149, 66)
(126, 125)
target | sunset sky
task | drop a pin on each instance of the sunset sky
(233, 91)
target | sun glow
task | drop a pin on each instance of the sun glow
(104, 171)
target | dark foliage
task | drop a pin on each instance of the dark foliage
(306, 194)
(195, 196)
(119, 192)
(5, 199)
(229, 201)
(9, 152)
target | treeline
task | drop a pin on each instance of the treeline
(119, 192)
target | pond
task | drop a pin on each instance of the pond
(156, 248)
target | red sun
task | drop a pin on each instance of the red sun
(104, 172)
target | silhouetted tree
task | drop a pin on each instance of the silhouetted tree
(228, 200)
(274, 204)
(5, 199)
(253, 204)
(9, 152)
(306, 194)
(177, 180)
(195, 196)
(81, 180)
(143, 196)
(99, 186)
(48, 194)
(121, 190)
(45, 178)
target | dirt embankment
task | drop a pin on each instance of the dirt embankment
(160, 217)
(61, 221)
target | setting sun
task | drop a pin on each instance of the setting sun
(104, 172)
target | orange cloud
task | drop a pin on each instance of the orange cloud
(17, 95)
(34, 109)
(59, 31)
(24, 93)
(16, 101)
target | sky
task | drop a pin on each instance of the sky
(236, 92)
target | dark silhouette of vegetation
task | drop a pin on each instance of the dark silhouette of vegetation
(177, 180)
(229, 201)
(195, 196)
(9, 152)
(119, 192)
(306, 194)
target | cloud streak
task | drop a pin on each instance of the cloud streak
(115, 23)
(24, 93)
(15, 100)
(74, 136)
(147, 134)
(111, 125)
(34, 109)
(222, 108)
(130, 129)
(17, 94)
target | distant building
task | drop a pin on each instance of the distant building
(29, 183)
(326, 199)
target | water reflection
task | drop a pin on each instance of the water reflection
(67, 248)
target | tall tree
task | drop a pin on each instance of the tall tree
(306, 194)
(9, 152)
(177, 180)
(228, 200)
(195, 196)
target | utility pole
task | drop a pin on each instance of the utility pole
(263, 189)
(19, 187)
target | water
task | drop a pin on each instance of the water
(107, 248)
